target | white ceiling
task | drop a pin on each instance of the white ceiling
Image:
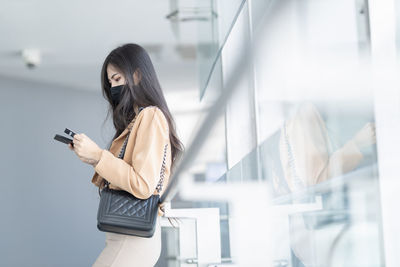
(74, 37)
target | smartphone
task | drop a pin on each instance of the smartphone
(69, 132)
(63, 139)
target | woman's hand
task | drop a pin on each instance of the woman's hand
(87, 150)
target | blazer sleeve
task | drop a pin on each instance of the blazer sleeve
(140, 178)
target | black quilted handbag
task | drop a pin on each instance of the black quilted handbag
(121, 212)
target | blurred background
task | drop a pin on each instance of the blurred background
(289, 111)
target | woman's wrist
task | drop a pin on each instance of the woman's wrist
(97, 157)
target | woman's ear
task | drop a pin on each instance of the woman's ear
(137, 77)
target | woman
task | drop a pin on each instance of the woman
(130, 85)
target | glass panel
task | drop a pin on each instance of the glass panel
(317, 132)
(212, 36)
(209, 167)
(170, 249)
(316, 146)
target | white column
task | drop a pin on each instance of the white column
(387, 116)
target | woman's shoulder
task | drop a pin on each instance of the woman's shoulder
(151, 113)
(148, 109)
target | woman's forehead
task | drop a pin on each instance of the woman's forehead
(111, 67)
(111, 70)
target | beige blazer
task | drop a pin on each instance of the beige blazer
(139, 171)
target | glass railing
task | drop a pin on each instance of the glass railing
(305, 190)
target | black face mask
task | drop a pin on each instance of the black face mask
(116, 93)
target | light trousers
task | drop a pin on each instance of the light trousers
(130, 251)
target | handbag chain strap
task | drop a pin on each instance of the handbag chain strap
(162, 172)
(297, 182)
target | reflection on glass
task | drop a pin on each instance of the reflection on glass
(307, 154)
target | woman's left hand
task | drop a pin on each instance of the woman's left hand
(87, 150)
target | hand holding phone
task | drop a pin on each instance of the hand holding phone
(64, 139)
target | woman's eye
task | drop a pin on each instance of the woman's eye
(117, 79)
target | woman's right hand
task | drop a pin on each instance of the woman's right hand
(366, 136)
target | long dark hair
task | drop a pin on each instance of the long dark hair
(129, 58)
